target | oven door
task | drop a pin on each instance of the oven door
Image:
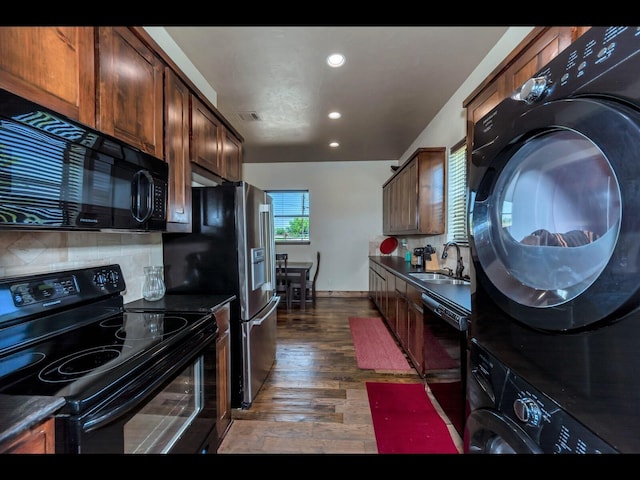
(170, 407)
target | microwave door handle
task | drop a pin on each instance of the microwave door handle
(142, 187)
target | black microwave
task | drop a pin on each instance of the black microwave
(57, 174)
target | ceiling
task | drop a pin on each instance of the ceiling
(274, 86)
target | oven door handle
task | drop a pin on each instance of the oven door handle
(117, 412)
(160, 372)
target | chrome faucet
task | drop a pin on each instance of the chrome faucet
(459, 265)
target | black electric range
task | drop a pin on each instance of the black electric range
(68, 334)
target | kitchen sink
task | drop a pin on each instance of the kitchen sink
(439, 278)
(449, 281)
(425, 276)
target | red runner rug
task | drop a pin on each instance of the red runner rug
(449, 396)
(405, 420)
(375, 347)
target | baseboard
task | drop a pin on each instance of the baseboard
(345, 294)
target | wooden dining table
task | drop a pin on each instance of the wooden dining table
(298, 272)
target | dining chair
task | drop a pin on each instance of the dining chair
(283, 283)
(310, 286)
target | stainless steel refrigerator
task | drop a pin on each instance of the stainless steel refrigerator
(232, 250)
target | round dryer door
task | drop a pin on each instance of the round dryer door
(487, 431)
(555, 219)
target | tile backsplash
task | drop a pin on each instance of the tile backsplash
(27, 253)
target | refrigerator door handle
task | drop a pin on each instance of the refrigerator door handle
(272, 306)
(268, 238)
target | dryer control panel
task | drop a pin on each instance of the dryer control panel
(539, 417)
(546, 422)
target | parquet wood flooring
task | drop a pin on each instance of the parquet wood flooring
(314, 399)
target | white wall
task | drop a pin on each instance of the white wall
(162, 38)
(449, 126)
(345, 214)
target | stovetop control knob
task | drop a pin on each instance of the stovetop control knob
(100, 279)
(533, 89)
(113, 277)
(528, 411)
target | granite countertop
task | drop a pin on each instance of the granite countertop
(21, 412)
(454, 295)
(181, 302)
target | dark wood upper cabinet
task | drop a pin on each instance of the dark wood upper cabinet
(534, 52)
(52, 66)
(130, 87)
(205, 138)
(413, 199)
(231, 156)
(176, 123)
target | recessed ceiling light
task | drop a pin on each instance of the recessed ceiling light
(335, 60)
(334, 144)
(335, 115)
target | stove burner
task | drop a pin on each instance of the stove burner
(92, 361)
(153, 325)
(19, 361)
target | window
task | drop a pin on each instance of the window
(458, 230)
(291, 215)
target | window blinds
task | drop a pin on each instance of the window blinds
(457, 205)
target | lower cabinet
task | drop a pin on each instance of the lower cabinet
(223, 373)
(401, 324)
(402, 310)
(415, 328)
(38, 439)
(378, 286)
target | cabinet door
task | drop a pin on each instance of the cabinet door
(430, 197)
(410, 204)
(231, 156)
(176, 120)
(414, 197)
(391, 299)
(372, 281)
(205, 140)
(39, 439)
(401, 312)
(52, 66)
(398, 200)
(540, 47)
(415, 328)
(382, 291)
(378, 287)
(406, 193)
(130, 90)
(223, 370)
(386, 209)
(536, 56)
(395, 205)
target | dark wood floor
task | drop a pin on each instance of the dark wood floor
(315, 399)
